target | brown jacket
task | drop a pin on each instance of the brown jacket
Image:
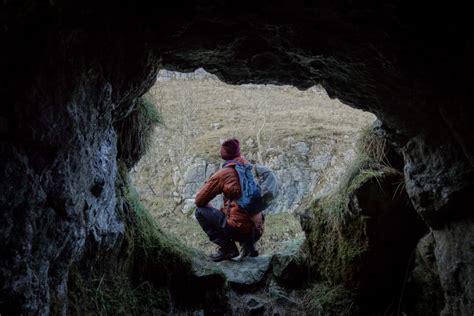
(226, 181)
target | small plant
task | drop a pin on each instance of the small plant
(335, 300)
(371, 163)
(136, 130)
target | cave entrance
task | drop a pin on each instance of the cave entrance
(306, 137)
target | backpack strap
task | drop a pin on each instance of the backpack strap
(227, 209)
(255, 170)
(228, 162)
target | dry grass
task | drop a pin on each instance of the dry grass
(197, 115)
(240, 111)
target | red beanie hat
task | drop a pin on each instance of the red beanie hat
(230, 149)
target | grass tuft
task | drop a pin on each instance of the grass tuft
(371, 163)
(325, 297)
(136, 130)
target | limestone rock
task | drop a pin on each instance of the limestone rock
(247, 273)
(454, 252)
(188, 207)
(254, 306)
(425, 296)
(288, 267)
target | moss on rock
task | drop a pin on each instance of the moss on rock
(135, 130)
(360, 237)
(147, 272)
(141, 276)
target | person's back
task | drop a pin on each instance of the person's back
(231, 223)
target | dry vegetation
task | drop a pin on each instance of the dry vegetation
(197, 115)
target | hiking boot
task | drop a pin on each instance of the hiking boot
(224, 254)
(248, 250)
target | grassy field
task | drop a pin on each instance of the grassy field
(197, 115)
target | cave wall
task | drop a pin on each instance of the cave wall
(61, 92)
(69, 70)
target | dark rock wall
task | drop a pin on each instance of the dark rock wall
(69, 69)
(62, 87)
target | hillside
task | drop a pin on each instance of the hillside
(305, 136)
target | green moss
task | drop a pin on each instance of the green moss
(136, 279)
(150, 240)
(115, 295)
(148, 110)
(332, 300)
(135, 130)
(336, 230)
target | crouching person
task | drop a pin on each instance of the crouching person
(231, 223)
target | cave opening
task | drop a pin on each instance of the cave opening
(75, 237)
(325, 154)
(306, 137)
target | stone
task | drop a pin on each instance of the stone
(288, 267)
(188, 207)
(454, 252)
(320, 162)
(216, 126)
(247, 273)
(250, 143)
(301, 148)
(424, 295)
(254, 306)
(196, 173)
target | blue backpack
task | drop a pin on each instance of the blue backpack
(250, 199)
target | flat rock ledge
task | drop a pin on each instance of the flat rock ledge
(245, 273)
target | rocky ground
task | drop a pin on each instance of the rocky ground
(306, 137)
(264, 285)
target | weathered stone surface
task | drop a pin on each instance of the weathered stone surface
(189, 206)
(362, 237)
(198, 74)
(438, 179)
(424, 295)
(255, 307)
(58, 160)
(454, 251)
(247, 273)
(289, 267)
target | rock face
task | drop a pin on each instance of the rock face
(454, 247)
(253, 289)
(299, 167)
(198, 74)
(69, 69)
(60, 215)
(247, 273)
(424, 287)
(59, 161)
(362, 235)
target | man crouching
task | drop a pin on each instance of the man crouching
(231, 223)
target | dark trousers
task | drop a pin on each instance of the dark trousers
(214, 223)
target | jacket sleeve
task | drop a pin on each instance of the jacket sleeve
(210, 190)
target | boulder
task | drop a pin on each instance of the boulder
(246, 274)
(424, 294)
(288, 267)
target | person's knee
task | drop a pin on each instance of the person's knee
(200, 213)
